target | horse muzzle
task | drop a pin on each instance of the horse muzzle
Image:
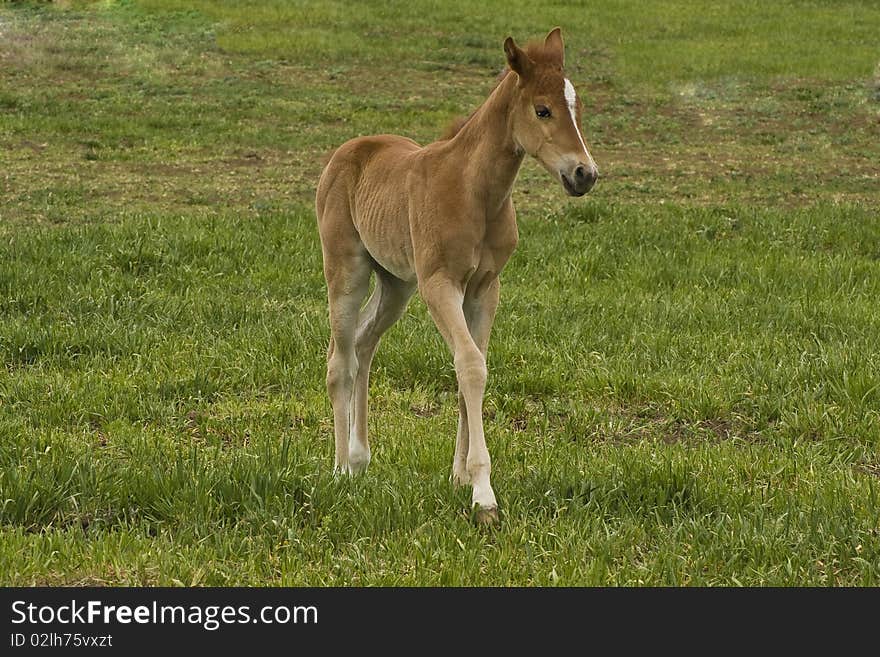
(579, 180)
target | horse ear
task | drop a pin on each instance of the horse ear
(517, 59)
(554, 45)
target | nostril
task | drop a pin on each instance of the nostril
(580, 173)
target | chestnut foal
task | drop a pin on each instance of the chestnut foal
(440, 218)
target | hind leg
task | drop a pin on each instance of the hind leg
(342, 364)
(347, 269)
(385, 307)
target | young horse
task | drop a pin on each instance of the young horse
(440, 218)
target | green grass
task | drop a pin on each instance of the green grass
(683, 375)
(671, 40)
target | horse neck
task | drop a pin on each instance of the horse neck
(486, 145)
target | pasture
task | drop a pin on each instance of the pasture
(684, 374)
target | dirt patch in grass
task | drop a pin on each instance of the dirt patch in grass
(111, 577)
(865, 467)
(425, 410)
(252, 133)
(607, 421)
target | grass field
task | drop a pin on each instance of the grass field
(685, 371)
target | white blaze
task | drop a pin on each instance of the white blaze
(571, 99)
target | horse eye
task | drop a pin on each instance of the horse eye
(542, 112)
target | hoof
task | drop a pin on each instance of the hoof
(358, 459)
(350, 470)
(485, 516)
(358, 466)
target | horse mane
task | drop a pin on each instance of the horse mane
(455, 127)
(536, 52)
(459, 122)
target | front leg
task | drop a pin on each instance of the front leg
(445, 301)
(460, 476)
(479, 311)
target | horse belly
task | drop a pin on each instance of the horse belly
(382, 222)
